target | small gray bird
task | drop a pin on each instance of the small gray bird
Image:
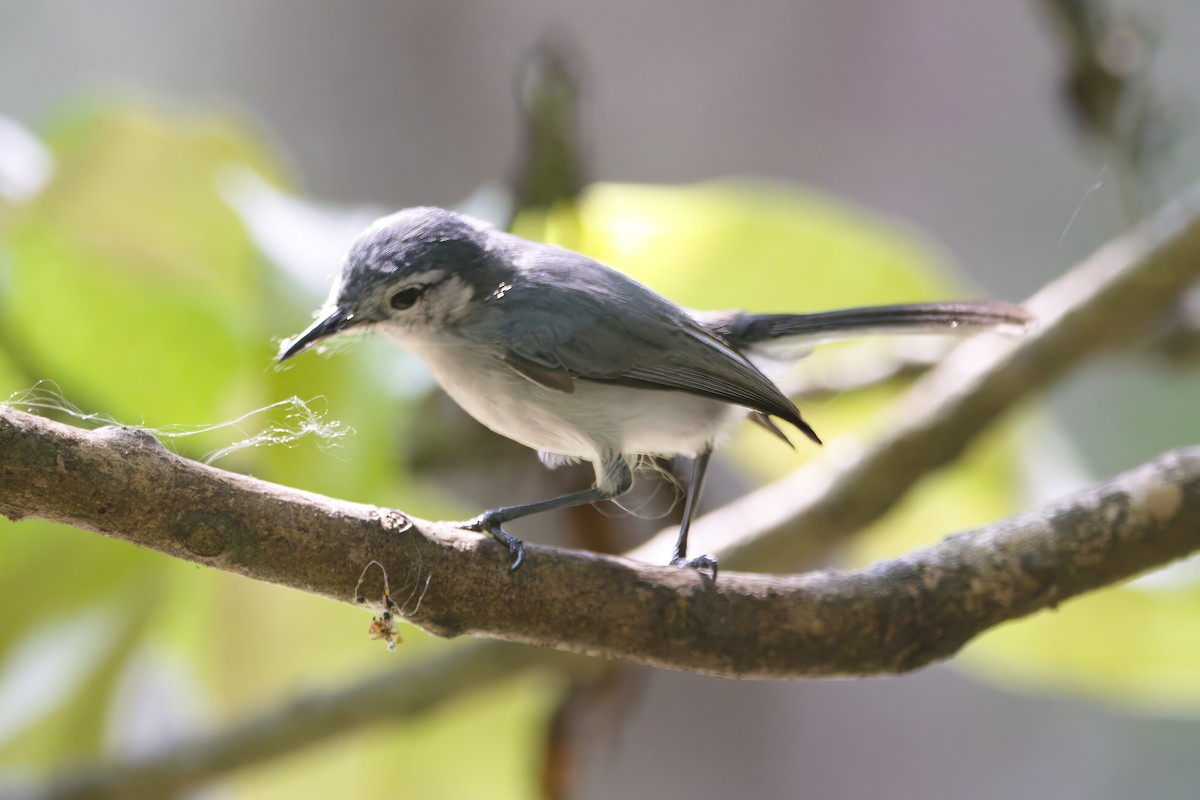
(578, 361)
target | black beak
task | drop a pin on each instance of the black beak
(333, 322)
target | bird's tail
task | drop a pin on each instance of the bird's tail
(803, 330)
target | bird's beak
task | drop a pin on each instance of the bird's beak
(331, 323)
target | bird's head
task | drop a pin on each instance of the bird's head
(415, 272)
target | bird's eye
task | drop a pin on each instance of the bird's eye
(406, 297)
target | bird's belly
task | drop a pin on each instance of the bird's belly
(596, 417)
(658, 422)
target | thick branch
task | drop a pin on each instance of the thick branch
(892, 617)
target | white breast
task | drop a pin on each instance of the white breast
(582, 424)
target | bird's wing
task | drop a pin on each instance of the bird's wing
(617, 331)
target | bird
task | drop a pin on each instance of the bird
(577, 360)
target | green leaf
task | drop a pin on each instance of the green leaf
(135, 288)
(130, 282)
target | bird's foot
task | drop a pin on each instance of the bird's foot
(699, 563)
(487, 523)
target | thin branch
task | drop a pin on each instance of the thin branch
(551, 171)
(1108, 85)
(312, 718)
(1110, 300)
(865, 367)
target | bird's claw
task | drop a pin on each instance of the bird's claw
(699, 563)
(486, 523)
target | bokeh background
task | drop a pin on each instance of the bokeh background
(179, 180)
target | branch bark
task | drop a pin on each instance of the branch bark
(892, 617)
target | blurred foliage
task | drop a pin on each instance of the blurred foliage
(133, 285)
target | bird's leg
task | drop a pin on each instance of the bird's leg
(614, 478)
(491, 520)
(695, 488)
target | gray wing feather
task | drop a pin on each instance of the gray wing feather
(570, 318)
(552, 377)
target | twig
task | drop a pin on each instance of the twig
(866, 366)
(1108, 86)
(551, 172)
(312, 718)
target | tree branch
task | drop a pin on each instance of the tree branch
(302, 722)
(1110, 300)
(892, 617)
